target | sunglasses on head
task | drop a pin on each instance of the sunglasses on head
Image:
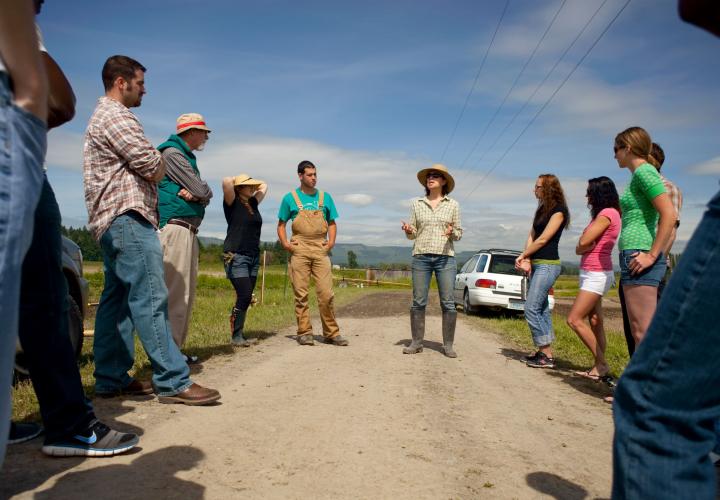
(435, 175)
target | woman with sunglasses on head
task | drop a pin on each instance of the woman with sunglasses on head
(542, 259)
(434, 226)
(241, 251)
(596, 272)
(642, 263)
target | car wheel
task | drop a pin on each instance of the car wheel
(467, 308)
(75, 326)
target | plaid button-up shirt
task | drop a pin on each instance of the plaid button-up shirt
(429, 226)
(118, 167)
(675, 195)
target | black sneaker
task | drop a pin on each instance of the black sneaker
(541, 361)
(19, 433)
(532, 357)
(98, 440)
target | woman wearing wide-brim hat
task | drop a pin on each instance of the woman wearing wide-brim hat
(241, 251)
(434, 225)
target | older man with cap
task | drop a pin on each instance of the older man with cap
(182, 198)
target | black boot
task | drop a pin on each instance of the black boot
(449, 319)
(237, 323)
(417, 330)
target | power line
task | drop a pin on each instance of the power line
(477, 76)
(539, 86)
(514, 84)
(549, 100)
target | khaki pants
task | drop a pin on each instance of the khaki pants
(310, 260)
(180, 260)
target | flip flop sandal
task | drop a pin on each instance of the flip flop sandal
(589, 375)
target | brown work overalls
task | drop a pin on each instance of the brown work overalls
(309, 258)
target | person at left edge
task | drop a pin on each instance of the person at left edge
(121, 169)
(182, 198)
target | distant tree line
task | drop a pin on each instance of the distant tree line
(84, 239)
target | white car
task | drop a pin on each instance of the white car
(489, 279)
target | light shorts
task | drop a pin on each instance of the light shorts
(598, 282)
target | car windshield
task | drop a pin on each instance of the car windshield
(503, 264)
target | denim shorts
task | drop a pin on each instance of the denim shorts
(242, 266)
(649, 277)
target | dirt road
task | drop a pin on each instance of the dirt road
(363, 421)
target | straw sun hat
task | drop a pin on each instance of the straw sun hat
(438, 167)
(246, 180)
(189, 121)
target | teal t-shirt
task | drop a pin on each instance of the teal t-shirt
(639, 217)
(289, 209)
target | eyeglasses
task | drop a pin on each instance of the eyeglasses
(616, 149)
(435, 175)
(538, 186)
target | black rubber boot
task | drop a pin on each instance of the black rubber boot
(449, 318)
(237, 323)
(417, 330)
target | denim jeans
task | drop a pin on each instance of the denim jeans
(44, 328)
(668, 400)
(445, 269)
(23, 140)
(537, 306)
(135, 297)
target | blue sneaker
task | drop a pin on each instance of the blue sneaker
(98, 440)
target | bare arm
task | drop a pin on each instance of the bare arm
(332, 233)
(261, 192)
(643, 260)
(282, 236)
(20, 54)
(61, 98)
(228, 188)
(591, 235)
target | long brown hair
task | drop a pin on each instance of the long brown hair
(639, 142)
(551, 196)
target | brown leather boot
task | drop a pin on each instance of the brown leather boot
(195, 395)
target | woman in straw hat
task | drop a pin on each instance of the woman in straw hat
(434, 226)
(241, 251)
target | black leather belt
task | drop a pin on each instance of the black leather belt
(184, 224)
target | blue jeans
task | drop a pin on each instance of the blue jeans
(242, 266)
(23, 140)
(537, 306)
(135, 297)
(667, 402)
(445, 269)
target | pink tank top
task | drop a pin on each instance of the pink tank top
(600, 257)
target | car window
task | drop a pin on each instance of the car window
(481, 264)
(470, 265)
(503, 264)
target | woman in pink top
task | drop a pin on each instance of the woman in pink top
(596, 272)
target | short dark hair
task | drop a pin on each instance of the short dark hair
(122, 66)
(303, 165)
(658, 153)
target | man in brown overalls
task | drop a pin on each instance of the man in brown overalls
(313, 217)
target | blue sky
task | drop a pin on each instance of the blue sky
(371, 91)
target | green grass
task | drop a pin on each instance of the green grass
(569, 351)
(209, 328)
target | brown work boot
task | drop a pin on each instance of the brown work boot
(134, 388)
(336, 340)
(306, 339)
(195, 395)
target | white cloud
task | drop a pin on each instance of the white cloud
(709, 167)
(358, 199)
